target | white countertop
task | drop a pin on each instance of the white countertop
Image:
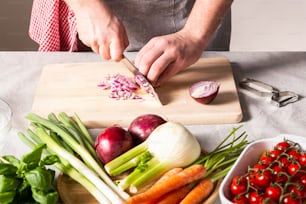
(20, 72)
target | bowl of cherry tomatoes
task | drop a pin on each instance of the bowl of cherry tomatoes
(271, 171)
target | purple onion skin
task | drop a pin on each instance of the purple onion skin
(142, 126)
(112, 142)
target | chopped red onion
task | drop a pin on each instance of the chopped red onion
(121, 87)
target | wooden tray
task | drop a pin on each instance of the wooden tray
(71, 192)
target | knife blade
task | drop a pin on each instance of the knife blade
(140, 79)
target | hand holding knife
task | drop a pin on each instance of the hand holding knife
(140, 79)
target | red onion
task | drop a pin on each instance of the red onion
(120, 87)
(142, 126)
(142, 82)
(204, 91)
(112, 142)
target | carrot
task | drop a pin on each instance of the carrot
(175, 181)
(175, 196)
(166, 175)
(200, 192)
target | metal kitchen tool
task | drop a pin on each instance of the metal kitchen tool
(278, 98)
(140, 79)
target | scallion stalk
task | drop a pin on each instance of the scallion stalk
(67, 169)
(77, 164)
(83, 129)
(82, 152)
(112, 166)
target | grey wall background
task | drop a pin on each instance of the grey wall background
(14, 23)
(258, 25)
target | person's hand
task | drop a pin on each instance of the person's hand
(164, 56)
(101, 30)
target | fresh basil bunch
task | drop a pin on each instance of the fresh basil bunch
(28, 180)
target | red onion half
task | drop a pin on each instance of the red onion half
(204, 91)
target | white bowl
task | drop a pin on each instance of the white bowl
(249, 157)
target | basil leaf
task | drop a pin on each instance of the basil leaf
(12, 160)
(40, 178)
(7, 169)
(8, 183)
(24, 193)
(33, 158)
(49, 160)
(7, 197)
(45, 198)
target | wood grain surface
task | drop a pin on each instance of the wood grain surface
(72, 88)
(71, 192)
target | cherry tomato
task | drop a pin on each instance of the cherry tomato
(284, 161)
(238, 185)
(277, 169)
(259, 166)
(263, 178)
(240, 199)
(265, 160)
(294, 154)
(255, 197)
(291, 198)
(281, 178)
(283, 146)
(251, 178)
(275, 153)
(297, 176)
(302, 159)
(302, 179)
(293, 168)
(298, 189)
(268, 201)
(274, 192)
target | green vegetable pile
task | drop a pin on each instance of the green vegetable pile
(68, 138)
(28, 180)
(65, 142)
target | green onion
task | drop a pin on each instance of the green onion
(69, 139)
(67, 169)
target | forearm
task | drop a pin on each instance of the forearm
(204, 19)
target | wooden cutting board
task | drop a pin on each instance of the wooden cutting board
(72, 88)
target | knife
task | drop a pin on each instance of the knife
(140, 79)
